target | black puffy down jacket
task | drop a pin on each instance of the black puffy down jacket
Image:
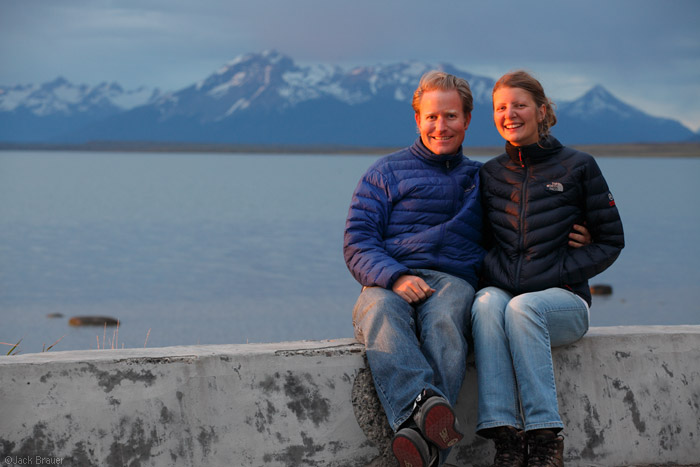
(532, 197)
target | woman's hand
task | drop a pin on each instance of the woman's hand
(579, 237)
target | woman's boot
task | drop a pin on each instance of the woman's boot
(545, 449)
(511, 448)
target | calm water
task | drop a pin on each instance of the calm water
(214, 249)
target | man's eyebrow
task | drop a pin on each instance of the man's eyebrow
(441, 111)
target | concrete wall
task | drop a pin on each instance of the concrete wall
(628, 396)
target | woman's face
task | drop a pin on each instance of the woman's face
(516, 116)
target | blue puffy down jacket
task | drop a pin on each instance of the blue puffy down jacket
(415, 210)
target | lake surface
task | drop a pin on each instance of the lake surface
(191, 249)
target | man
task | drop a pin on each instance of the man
(413, 240)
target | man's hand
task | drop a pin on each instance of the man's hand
(413, 289)
(582, 238)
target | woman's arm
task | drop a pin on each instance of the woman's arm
(605, 226)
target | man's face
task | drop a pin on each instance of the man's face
(441, 121)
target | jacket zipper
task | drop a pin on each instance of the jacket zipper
(523, 203)
(438, 256)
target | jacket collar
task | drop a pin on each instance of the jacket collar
(533, 153)
(419, 150)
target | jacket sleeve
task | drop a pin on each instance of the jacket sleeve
(363, 243)
(603, 221)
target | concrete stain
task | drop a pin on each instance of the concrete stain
(132, 445)
(668, 372)
(7, 448)
(263, 418)
(330, 351)
(306, 399)
(80, 455)
(237, 370)
(594, 437)
(185, 446)
(207, 438)
(632, 404)
(165, 415)
(269, 384)
(45, 444)
(667, 437)
(296, 455)
(42, 442)
(110, 379)
(567, 361)
(160, 360)
(694, 402)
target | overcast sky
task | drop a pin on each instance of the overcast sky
(646, 52)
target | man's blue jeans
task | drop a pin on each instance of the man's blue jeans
(513, 337)
(412, 348)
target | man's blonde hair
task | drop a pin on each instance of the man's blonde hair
(439, 80)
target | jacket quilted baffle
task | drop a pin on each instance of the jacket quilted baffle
(415, 210)
(533, 195)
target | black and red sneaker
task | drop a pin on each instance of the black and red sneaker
(411, 450)
(437, 421)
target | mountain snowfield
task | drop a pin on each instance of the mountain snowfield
(266, 98)
(60, 96)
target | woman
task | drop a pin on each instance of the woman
(536, 271)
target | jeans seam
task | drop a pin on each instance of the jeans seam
(541, 425)
(394, 423)
(497, 423)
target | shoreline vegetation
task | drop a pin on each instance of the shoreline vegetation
(680, 149)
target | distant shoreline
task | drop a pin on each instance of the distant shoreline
(683, 150)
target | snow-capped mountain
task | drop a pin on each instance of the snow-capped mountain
(42, 112)
(600, 117)
(266, 98)
(60, 96)
(272, 81)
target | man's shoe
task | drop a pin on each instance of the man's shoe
(511, 447)
(545, 449)
(411, 450)
(436, 420)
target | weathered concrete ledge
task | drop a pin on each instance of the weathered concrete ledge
(628, 396)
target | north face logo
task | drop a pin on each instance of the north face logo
(555, 187)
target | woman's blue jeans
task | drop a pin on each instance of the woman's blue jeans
(412, 348)
(513, 337)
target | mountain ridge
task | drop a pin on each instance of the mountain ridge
(266, 98)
